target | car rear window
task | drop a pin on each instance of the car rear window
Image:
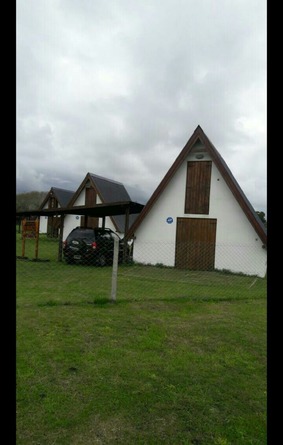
(80, 234)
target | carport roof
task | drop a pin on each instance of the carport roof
(100, 210)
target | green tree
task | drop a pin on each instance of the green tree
(29, 200)
(262, 217)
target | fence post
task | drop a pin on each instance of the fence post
(115, 270)
(60, 250)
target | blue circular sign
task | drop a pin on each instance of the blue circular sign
(169, 220)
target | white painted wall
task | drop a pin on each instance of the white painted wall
(72, 221)
(43, 224)
(238, 248)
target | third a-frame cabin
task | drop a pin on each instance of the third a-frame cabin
(198, 218)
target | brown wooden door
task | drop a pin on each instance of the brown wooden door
(195, 243)
(90, 200)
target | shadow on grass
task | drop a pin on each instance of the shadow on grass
(104, 302)
(98, 302)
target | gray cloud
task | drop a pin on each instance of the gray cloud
(116, 88)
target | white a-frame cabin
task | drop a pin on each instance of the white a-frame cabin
(198, 218)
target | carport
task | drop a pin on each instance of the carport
(99, 210)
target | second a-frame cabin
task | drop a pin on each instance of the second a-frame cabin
(94, 190)
(198, 218)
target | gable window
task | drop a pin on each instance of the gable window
(198, 187)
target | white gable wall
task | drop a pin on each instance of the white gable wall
(238, 247)
(43, 221)
(72, 221)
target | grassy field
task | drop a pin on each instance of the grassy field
(180, 358)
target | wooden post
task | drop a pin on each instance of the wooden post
(125, 241)
(23, 237)
(60, 250)
(36, 227)
(115, 270)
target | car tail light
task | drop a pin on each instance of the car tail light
(93, 245)
(64, 244)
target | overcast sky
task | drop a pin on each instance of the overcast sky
(117, 87)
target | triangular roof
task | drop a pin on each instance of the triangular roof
(224, 170)
(63, 196)
(108, 191)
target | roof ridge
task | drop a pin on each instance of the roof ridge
(60, 188)
(105, 179)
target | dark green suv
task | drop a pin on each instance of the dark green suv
(91, 246)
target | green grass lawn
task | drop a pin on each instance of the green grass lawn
(180, 358)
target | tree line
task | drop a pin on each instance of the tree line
(29, 200)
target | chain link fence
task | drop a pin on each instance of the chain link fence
(148, 271)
